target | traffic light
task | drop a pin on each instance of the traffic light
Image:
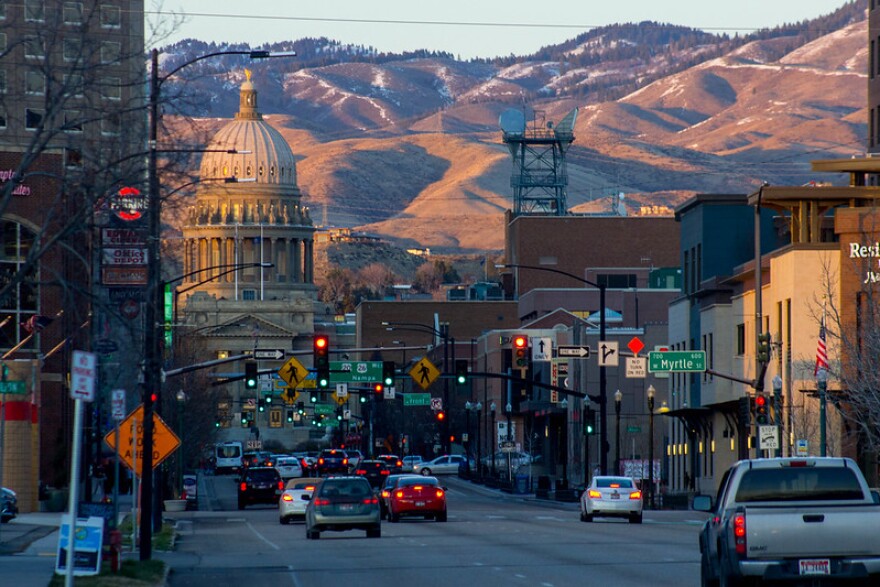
(745, 411)
(388, 369)
(250, 374)
(301, 408)
(289, 416)
(441, 416)
(321, 360)
(761, 410)
(261, 405)
(589, 420)
(269, 400)
(363, 399)
(763, 350)
(520, 343)
(216, 423)
(313, 398)
(379, 391)
(461, 371)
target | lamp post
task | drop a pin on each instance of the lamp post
(467, 427)
(822, 381)
(479, 408)
(603, 381)
(617, 398)
(564, 405)
(494, 434)
(181, 402)
(154, 291)
(441, 334)
(651, 392)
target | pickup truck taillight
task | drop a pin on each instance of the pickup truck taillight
(739, 533)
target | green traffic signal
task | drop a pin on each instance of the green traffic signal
(461, 371)
(388, 369)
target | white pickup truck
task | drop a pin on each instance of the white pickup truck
(801, 521)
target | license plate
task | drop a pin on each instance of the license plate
(815, 566)
(420, 504)
(615, 496)
(346, 507)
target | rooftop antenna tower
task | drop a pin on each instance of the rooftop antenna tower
(539, 177)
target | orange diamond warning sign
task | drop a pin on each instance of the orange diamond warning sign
(165, 441)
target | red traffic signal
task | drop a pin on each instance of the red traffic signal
(321, 358)
(761, 415)
(378, 388)
(441, 416)
(520, 341)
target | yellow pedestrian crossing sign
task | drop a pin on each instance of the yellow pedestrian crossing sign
(424, 373)
(293, 372)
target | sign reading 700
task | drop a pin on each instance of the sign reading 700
(355, 371)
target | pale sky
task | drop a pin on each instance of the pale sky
(465, 28)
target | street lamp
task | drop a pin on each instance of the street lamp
(154, 290)
(181, 401)
(651, 392)
(822, 381)
(617, 397)
(603, 381)
(494, 436)
(441, 334)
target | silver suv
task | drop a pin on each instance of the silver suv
(343, 503)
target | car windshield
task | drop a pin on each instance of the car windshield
(799, 484)
(410, 481)
(614, 482)
(347, 488)
(263, 475)
(286, 462)
(301, 484)
(228, 452)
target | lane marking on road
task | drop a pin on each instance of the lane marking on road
(552, 519)
(293, 577)
(263, 538)
(235, 520)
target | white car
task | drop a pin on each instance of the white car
(354, 458)
(288, 467)
(445, 465)
(295, 497)
(614, 497)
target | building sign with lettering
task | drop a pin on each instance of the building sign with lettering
(126, 256)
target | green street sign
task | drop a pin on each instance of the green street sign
(632, 429)
(677, 361)
(417, 399)
(355, 372)
(325, 409)
(13, 387)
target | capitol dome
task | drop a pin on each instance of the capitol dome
(270, 160)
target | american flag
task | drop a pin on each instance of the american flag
(36, 323)
(821, 350)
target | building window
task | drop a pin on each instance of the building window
(21, 301)
(249, 295)
(73, 85)
(73, 121)
(2, 81)
(2, 9)
(33, 118)
(72, 49)
(110, 124)
(72, 158)
(110, 51)
(687, 273)
(3, 42)
(740, 339)
(34, 11)
(73, 13)
(112, 88)
(34, 83)
(33, 48)
(871, 60)
(110, 16)
(2, 117)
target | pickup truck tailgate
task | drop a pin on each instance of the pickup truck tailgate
(807, 531)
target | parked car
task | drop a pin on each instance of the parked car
(445, 465)
(609, 496)
(8, 504)
(259, 485)
(417, 496)
(332, 461)
(373, 471)
(295, 497)
(288, 467)
(343, 503)
(385, 492)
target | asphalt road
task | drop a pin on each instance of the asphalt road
(490, 539)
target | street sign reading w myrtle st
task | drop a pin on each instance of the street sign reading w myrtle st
(677, 361)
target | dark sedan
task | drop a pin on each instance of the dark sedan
(259, 485)
(373, 471)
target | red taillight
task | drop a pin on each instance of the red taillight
(594, 494)
(398, 494)
(399, 463)
(417, 488)
(305, 463)
(309, 487)
(243, 486)
(344, 461)
(739, 533)
(384, 472)
(439, 493)
(361, 472)
(321, 501)
(635, 495)
(281, 485)
(615, 485)
(320, 461)
(386, 493)
(371, 501)
(286, 497)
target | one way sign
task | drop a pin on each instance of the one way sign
(542, 349)
(276, 354)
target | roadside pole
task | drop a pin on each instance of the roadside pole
(135, 488)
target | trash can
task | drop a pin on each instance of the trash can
(522, 484)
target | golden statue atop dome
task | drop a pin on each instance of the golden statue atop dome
(247, 74)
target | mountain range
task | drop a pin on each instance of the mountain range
(408, 147)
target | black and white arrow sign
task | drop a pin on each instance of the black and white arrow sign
(573, 351)
(276, 354)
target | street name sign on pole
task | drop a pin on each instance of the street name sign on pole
(17, 387)
(581, 352)
(677, 361)
(355, 371)
(273, 354)
(417, 399)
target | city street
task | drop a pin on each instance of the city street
(490, 539)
